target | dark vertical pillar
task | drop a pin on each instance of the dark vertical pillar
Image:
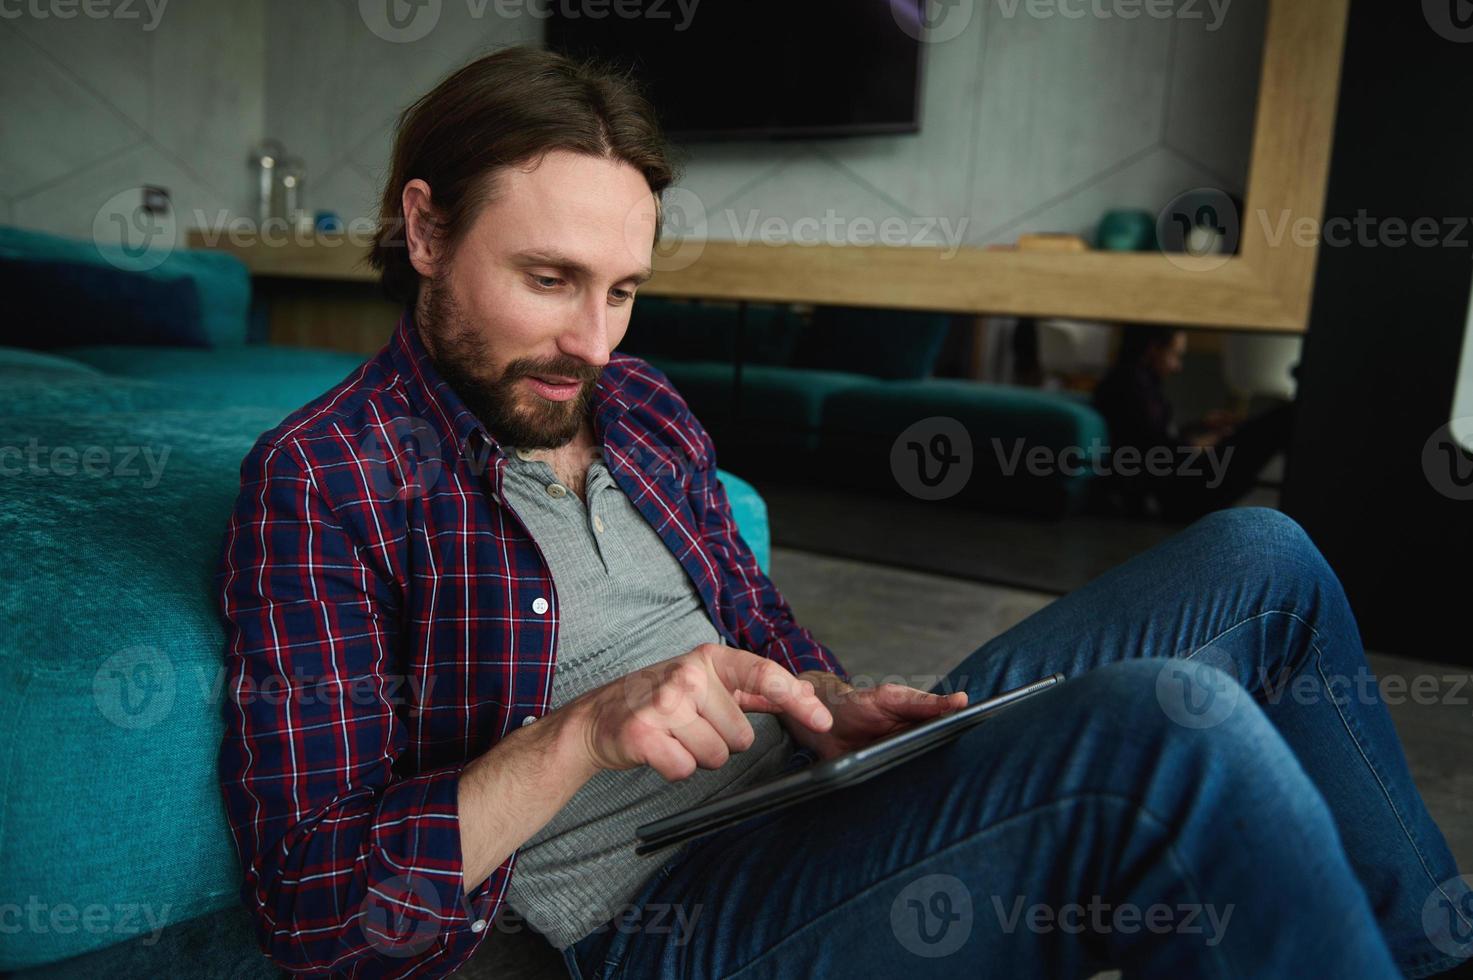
(1381, 356)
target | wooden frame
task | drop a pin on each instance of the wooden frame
(1266, 286)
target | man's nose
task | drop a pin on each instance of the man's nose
(587, 339)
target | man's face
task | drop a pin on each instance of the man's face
(538, 293)
(1166, 359)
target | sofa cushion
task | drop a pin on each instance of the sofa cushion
(40, 384)
(61, 304)
(15, 361)
(1005, 423)
(253, 374)
(110, 659)
(897, 344)
(220, 945)
(780, 407)
(708, 331)
(221, 282)
(749, 511)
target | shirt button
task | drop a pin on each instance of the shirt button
(478, 926)
(528, 720)
(539, 605)
(526, 455)
(598, 524)
(556, 490)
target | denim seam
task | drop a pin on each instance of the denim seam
(1349, 730)
(971, 838)
(1385, 792)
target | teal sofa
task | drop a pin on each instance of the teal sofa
(118, 468)
(823, 397)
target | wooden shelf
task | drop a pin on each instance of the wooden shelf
(1266, 286)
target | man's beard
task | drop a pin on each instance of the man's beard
(512, 416)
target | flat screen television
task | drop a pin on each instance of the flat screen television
(743, 69)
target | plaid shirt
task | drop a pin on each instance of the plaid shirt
(389, 619)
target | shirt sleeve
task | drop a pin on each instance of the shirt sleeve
(764, 621)
(349, 865)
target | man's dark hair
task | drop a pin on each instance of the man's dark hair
(507, 109)
(1139, 338)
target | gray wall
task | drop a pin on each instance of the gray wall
(95, 107)
(1032, 121)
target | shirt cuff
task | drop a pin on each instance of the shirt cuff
(417, 886)
(800, 654)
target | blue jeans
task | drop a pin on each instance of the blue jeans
(1210, 794)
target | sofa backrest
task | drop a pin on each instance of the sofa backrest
(217, 285)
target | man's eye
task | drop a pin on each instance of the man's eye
(547, 282)
(621, 295)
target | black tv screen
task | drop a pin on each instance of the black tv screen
(730, 69)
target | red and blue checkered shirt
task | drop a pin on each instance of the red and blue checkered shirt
(389, 619)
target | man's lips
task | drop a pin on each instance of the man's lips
(555, 388)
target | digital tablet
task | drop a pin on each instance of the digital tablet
(823, 777)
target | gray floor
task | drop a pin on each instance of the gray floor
(1049, 556)
(882, 621)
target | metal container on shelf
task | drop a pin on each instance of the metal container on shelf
(265, 161)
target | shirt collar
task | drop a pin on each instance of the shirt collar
(443, 408)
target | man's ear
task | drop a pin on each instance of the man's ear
(419, 227)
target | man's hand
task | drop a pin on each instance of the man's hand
(1223, 419)
(862, 716)
(688, 712)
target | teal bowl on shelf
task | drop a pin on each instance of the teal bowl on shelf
(1131, 230)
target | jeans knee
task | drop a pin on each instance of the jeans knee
(1259, 528)
(1186, 709)
(1256, 539)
